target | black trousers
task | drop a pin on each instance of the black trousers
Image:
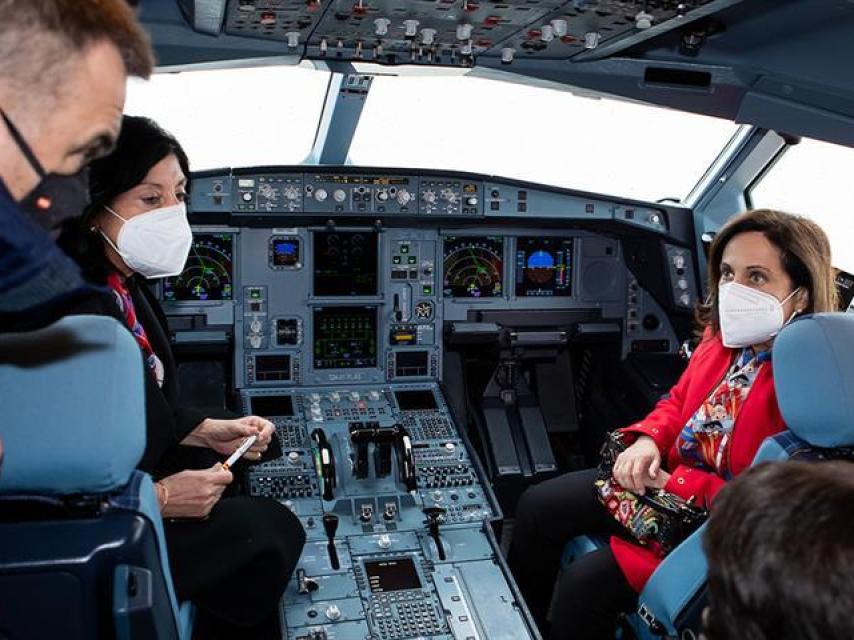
(233, 565)
(592, 592)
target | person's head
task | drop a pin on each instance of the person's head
(776, 254)
(63, 67)
(780, 553)
(137, 213)
(147, 172)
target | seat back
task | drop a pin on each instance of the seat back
(814, 384)
(82, 552)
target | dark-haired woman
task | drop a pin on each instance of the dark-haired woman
(231, 556)
(765, 267)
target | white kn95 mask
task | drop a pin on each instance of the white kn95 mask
(748, 316)
(154, 244)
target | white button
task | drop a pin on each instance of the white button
(384, 541)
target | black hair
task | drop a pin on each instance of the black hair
(780, 553)
(141, 145)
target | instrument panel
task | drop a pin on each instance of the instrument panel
(336, 290)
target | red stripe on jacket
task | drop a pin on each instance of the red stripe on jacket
(759, 418)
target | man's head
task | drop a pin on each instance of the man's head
(63, 67)
(781, 554)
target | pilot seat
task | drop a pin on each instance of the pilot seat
(82, 549)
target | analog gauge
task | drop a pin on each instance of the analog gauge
(474, 267)
(424, 310)
(208, 272)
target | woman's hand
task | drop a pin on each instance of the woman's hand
(639, 466)
(225, 436)
(192, 494)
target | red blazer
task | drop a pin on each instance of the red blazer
(759, 418)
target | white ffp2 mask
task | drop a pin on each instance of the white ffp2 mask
(748, 316)
(154, 244)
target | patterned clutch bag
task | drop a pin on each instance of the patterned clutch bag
(658, 520)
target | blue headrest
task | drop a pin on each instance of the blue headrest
(814, 378)
(73, 407)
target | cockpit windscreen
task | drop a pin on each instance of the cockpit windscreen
(543, 267)
(345, 263)
(208, 273)
(345, 337)
(474, 267)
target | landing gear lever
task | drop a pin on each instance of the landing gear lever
(435, 517)
(330, 525)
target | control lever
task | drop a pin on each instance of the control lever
(397, 311)
(435, 517)
(325, 464)
(330, 525)
(305, 584)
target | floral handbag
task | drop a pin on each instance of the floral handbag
(659, 520)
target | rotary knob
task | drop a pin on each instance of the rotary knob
(293, 457)
(384, 541)
(382, 196)
(429, 197)
(333, 612)
(291, 193)
(335, 397)
(255, 342)
(404, 197)
(320, 195)
(374, 395)
(247, 196)
(354, 396)
(339, 195)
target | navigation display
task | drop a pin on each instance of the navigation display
(543, 267)
(208, 273)
(474, 267)
(345, 263)
(345, 337)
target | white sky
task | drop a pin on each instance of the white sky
(268, 116)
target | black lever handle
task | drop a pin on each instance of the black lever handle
(435, 517)
(330, 526)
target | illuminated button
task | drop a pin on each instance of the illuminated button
(413, 259)
(427, 290)
(395, 259)
(404, 248)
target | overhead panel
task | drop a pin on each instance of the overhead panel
(456, 32)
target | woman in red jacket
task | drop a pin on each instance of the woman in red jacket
(765, 267)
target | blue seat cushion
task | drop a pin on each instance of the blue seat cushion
(73, 405)
(814, 378)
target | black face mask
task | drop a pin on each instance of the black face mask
(55, 197)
